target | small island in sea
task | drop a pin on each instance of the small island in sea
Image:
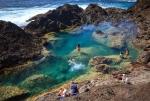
(101, 46)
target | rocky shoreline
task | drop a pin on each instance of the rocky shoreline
(19, 46)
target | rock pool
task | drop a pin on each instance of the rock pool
(56, 70)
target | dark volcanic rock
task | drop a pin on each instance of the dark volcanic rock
(144, 57)
(141, 5)
(94, 14)
(64, 17)
(55, 20)
(101, 64)
(16, 46)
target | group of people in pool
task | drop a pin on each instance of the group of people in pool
(66, 93)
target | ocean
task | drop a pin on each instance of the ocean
(18, 11)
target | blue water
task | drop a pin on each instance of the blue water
(18, 11)
(56, 70)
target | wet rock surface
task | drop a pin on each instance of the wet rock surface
(101, 64)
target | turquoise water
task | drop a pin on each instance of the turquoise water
(55, 70)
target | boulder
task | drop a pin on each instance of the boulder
(55, 20)
(101, 64)
(16, 46)
(102, 68)
(100, 60)
(144, 57)
(94, 14)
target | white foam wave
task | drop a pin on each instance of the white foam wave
(20, 15)
(75, 66)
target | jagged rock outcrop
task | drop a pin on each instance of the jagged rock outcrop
(141, 5)
(16, 46)
(94, 14)
(63, 17)
(144, 57)
(55, 20)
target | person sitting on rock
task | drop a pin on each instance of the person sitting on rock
(62, 93)
(78, 48)
(74, 89)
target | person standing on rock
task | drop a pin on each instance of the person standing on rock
(126, 53)
(78, 48)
